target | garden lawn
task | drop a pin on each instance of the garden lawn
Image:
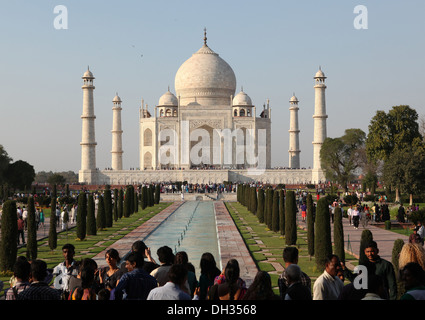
(266, 247)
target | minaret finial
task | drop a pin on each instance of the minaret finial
(205, 36)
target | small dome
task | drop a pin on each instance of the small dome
(88, 74)
(319, 74)
(117, 98)
(294, 99)
(242, 99)
(168, 99)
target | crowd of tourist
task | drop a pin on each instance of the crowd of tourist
(138, 276)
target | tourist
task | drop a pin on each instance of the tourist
(110, 274)
(21, 232)
(148, 265)
(401, 214)
(21, 275)
(356, 217)
(231, 288)
(25, 217)
(303, 212)
(384, 269)
(86, 290)
(136, 283)
(209, 272)
(63, 271)
(421, 230)
(77, 281)
(261, 288)
(172, 290)
(296, 290)
(349, 214)
(415, 237)
(42, 217)
(192, 283)
(411, 252)
(166, 259)
(413, 277)
(38, 289)
(64, 219)
(290, 256)
(328, 286)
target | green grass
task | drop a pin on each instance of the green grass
(91, 245)
(272, 244)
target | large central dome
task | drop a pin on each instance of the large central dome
(205, 78)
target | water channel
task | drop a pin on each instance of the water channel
(191, 228)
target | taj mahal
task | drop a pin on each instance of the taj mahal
(204, 133)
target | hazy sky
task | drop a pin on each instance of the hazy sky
(136, 47)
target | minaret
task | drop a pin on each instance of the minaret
(319, 118)
(88, 144)
(294, 142)
(116, 134)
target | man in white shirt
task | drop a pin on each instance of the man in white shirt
(328, 285)
(172, 289)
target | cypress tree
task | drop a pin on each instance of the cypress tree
(121, 203)
(398, 245)
(82, 216)
(322, 241)
(151, 198)
(290, 218)
(9, 234)
(115, 210)
(101, 214)
(91, 218)
(260, 205)
(266, 205)
(158, 193)
(131, 200)
(282, 212)
(32, 231)
(108, 206)
(270, 209)
(127, 203)
(254, 200)
(136, 201)
(53, 236)
(365, 238)
(275, 211)
(310, 225)
(144, 197)
(339, 234)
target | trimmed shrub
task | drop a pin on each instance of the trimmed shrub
(290, 218)
(260, 205)
(398, 245)
(101, 215)
(53, 236)
(120, 203)
(32, 231)
(275, 212)
(127, 202)
(82, 216)
(108, 207)
(339, 234)
(91, 217)
(310, 225)
(9, 234)
(282, 212)
(115, 210)
(322, 240)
